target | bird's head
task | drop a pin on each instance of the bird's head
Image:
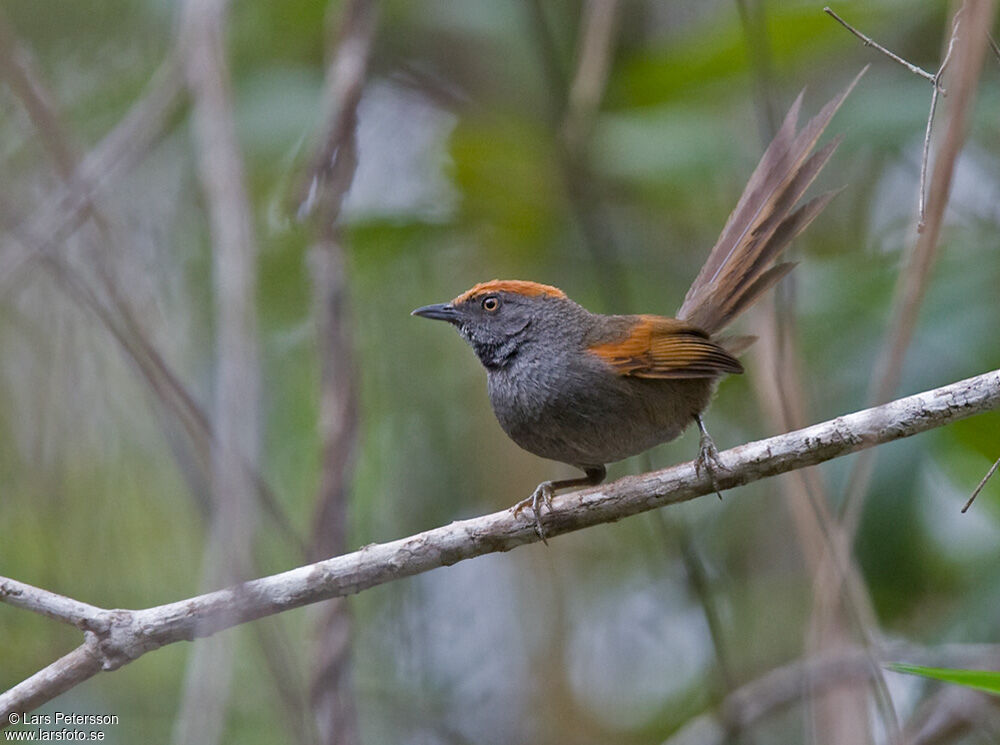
(498, 317)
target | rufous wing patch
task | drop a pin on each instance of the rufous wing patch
(660, 347)
(516, 286)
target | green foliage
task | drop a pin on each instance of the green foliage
(983, 680)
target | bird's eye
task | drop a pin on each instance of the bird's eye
(491, 303)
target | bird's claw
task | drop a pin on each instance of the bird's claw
(542, 495)
(708, 461)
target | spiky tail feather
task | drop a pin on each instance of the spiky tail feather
(740, 267)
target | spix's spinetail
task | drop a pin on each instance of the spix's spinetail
(590, 389)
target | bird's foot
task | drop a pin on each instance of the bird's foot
(541, 496)
(708, 457)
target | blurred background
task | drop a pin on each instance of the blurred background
(597, 146)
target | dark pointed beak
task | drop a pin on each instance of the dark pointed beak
(438, 312)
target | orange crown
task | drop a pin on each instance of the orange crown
(516, 286)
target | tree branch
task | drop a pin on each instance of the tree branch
(69, 670)
(49, 604)
(121, 636)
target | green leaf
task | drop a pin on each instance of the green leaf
(984, 680)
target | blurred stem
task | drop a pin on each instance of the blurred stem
(333, 169)
(679, 534)
(552, 66)
(569, 121)
(595, 49)
(236, 421)
(19, 71)
(82, 179)
(754, 24)
(818, 675)
(782, 394)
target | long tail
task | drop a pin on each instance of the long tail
(740, 267)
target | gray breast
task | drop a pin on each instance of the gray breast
(581, 414)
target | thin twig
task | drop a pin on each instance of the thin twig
(122, 636)
(869, 42)
(994, 46)
(924, 158)
(930, 119)
(935, 79)
(69, 206)
(166, 385)
(975, 493)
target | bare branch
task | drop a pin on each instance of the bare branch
(82, 663)
(69, 207)
(49, 604)
(125, 635)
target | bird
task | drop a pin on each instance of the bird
(588, 389)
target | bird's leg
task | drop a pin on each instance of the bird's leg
(544, 491)
(708, 456)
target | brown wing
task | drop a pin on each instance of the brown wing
(659, 347)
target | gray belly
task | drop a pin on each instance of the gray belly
(587, 423)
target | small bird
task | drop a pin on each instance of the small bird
(589, 389)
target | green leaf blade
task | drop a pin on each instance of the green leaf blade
(983, 680)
